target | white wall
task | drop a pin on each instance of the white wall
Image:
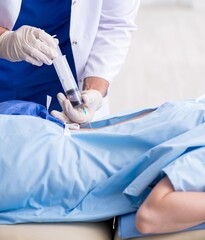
(166, 2)
(197, 4)
(166, 60)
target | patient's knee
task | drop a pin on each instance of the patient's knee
(146, 220)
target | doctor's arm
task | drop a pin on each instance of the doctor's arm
(112, 41)
(2, 30)
(166, 210)
(96, 83)
(28, 44)
(117, 22)
(109, 50)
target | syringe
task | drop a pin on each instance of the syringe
(67, 80)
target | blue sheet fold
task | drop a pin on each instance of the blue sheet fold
(17, 107)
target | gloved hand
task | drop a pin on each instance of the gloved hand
(92, 102)
(30, 44)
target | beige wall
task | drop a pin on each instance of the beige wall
(166, 59)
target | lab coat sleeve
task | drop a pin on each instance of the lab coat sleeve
(117, 21)
(9, 11)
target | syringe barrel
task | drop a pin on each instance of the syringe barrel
(67, 80)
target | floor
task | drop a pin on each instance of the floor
(166, 60)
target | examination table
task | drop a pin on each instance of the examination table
(81, 231)
(57, 231)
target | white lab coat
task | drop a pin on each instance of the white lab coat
(100, 35)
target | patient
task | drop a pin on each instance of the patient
(119, 148)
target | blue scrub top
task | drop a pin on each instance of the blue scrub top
(22, 80)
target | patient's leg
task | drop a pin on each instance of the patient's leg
(168, 211)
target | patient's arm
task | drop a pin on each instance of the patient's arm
(168, 211)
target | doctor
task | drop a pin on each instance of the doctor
(94, 36)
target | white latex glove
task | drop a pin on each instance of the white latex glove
(30, 44)
(92, 102)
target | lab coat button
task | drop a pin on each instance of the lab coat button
(74, 2)
(74, 43)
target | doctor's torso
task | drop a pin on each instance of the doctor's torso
(21, 80)
(88, 25)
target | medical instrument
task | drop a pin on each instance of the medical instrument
(67, 80)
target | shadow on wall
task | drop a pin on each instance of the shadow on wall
(167, 57)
